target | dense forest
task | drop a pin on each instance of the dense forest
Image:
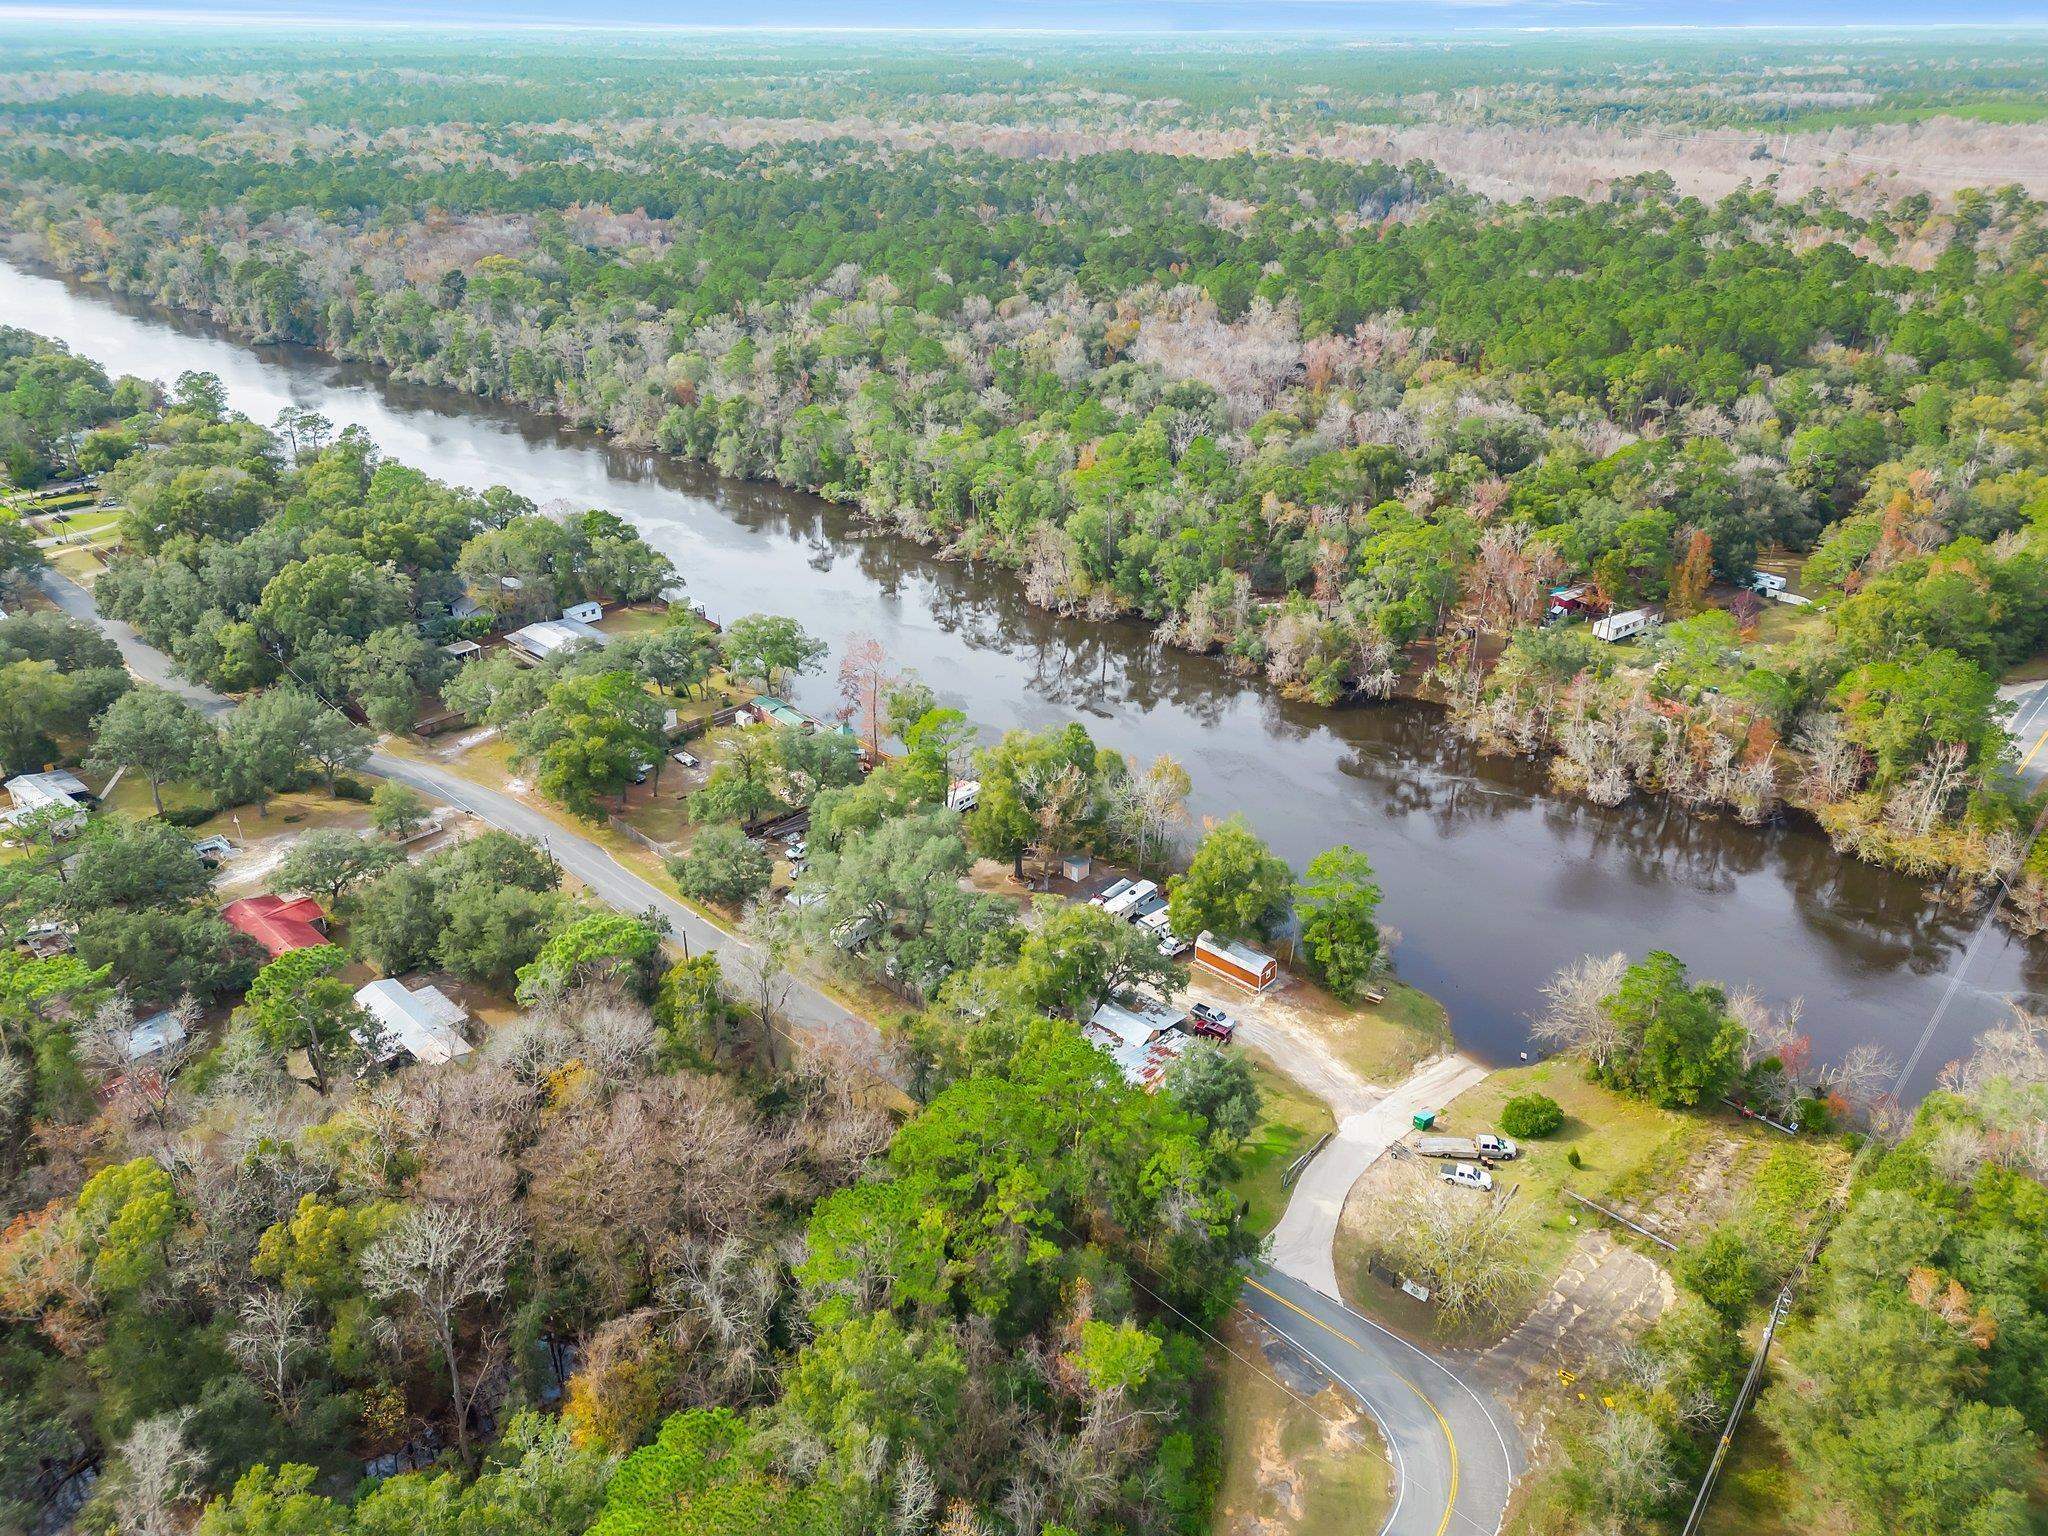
(634, 1258)
(1288, 352)
(1345, 423)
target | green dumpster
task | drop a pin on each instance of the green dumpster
(1424, 1119)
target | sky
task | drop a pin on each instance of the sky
(1358, 18)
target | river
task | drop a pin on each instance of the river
(1491, 880)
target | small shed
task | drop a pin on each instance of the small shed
(462, 650)
(1076, 867)
(155, 1036)
(1565, 601)
(1238, 963)
(584, 613)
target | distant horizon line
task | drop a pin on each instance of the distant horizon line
(380, 20)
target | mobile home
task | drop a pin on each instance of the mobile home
(1623, 626)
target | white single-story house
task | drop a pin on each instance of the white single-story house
(420, 1024)
(544, 639)
(1141, 1037)
(584, 613)
(56, 791)
(155, 1036)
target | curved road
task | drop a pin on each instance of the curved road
(1454, 1451)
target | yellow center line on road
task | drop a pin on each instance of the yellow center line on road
(2034, 751)
(1442, 1423)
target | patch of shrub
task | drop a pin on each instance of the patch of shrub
(1531, 1117)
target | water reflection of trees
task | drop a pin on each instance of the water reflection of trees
(1885, 921)
(1241, 738)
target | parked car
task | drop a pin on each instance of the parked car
(1208, 1019)
(641, 772)
(687, 759)
(1109, 893)
(799, 848)
(1471, 1175)
(1160, 927)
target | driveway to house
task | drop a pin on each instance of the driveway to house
(1304, 1241)
(805, 1008)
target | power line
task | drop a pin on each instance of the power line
(1783, 1304)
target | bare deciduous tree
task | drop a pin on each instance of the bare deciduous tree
(761, 972)
(153, 1475)
(865, 679)
(268, 1340)
(1153, 806)
(1575, 1018)
(1471, 1250)
(437, 1259)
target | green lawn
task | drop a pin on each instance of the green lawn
(1621, 1143)
(90, 522)
(621, 622)
(131, 797)
(80, 565)
(1290, 1121)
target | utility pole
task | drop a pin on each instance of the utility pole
(1742, 1400)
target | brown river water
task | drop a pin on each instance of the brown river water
(1491, 880)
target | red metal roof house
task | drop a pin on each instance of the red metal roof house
(277, 924)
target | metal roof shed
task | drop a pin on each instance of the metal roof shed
(1235, 962)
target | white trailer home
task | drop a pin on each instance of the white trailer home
(1617, 627)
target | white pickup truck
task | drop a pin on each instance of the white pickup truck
(1485, 1144)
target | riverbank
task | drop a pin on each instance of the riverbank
(1493, 881)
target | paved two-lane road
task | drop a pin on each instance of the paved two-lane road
(805, 1008)
(2028, 727)
(1453, 1463)
(1455, 1451)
